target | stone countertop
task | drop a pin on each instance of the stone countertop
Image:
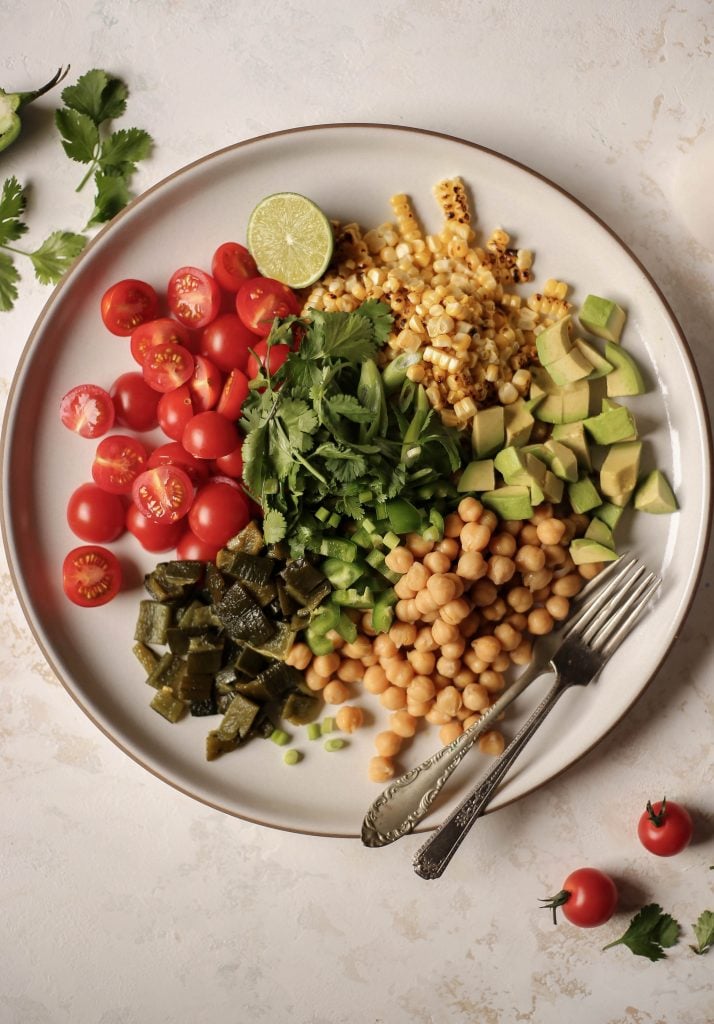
(124, 902)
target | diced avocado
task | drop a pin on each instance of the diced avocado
(611, 426)
(477, 476)
(511, 464)
(558, 404)
(602, 317)
(583, 495)
(518, 423)
(535, 468)
(609, 513)
(539, 450)
(554, 342)
(512, 502)
(600, 365)
(600, 532)
(537, 494)
(489, 432)
(625, 378)
(619, 471)
(553, 487)
(584, 551)
(570, 367)
(572, 435)
(620, 500)
(562, 460)
(655, 495)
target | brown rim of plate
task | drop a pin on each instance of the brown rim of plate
(293, 131)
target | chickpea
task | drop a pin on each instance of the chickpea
(335, 692)
(406, 611)
(403, 634)
(453, 525)
(470, 510)
(543, 512)
(537, 580)
(489, 520)
(455, 611)
(529, 535)
(501, 663)
(399, 672)
(349, 718)
(449, 546)
(492, 743)
(418, 709)
(423, 662)
(417, 576)
(502, 544)
(455, 649)
(469, 721)
(425, 602)
(393, 698)
(437, 561)
(550, 531)
(421, 689)
(464, 677)
(580, 522)
(326, 664)
(387, 743)
(425, 640)
(518, 621)
(590, 570)
(492, 681)
(351, 671)
(429, 617)
(555, 554)
(441, 681)
(361, 648)
(484, 593)
(400, 559)
(380, 769)
(472, 565)
(383, 646)
(299, 657)
(403, 590)
(448, 667)
(418, 545)
(558, 607)
(476, 697)
(500, 569)
(540, 622)
(369, 659)
(366, 623)
(441, 589)
(469, 626)
(475, 664)
(523, 653)
(508, 637)
(375, 680)
(313, 679)
(496, 611)
(335, 639)
(450, 732)
(512, 526)
(567, 586)
(530, 558)
(403, 724)
(436, 717)
(475, 537)
(487, 648)
(444, 632)
(520, 599)
(458, 582)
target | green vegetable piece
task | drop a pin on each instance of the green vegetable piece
(377, 560)
(353, 598)
(383, 611)
(306, 584)
(300, 708)
(152, 623)
(279, 737)
(585, 552)
(602, 317)
(620, 469)
(168, 705)
(558, 404)
(314, 731)
(323, 514)
(146, 657)
(600, 365)
(518, 422)
(583, 495)
(572, 435)
(238, 719)
(554, 342)
(328, 725)
(403, 516)
(325, 618)
(242, 617)
(247, 661)
(292, 756)
(195, 687)
(478, 476)
(370, 394)
(650, 932)
(318, 644)
(395, 373)
(250, 540)
(391, 540)
(347, 628)
(342, 574)
(280, 679)
(609, 513)
(488, 432)
(626, 378)
(335, 744)
(654, 495)
(204, 655)
(278, 645)
(571, 367)
(215, 746)
(561, 460)
(616, 424)
(11, 102)
(511, 502)
(601, 533)
(168, 671)
(704, 932)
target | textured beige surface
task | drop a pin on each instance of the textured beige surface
(124, 902)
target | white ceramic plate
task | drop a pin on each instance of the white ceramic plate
(350, 171)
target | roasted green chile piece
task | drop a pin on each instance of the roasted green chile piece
(242, 618)
(169, 671)
(238, 719)
(11, 102)
(153, 622)
(304, 583)
(167, 705)
(250, 539)
(300, 708)
(146, 657)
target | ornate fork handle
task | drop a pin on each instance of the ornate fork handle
(432, 858)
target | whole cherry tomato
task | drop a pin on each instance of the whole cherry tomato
(588, 898)
(665, 828)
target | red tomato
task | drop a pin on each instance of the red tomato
(158, 332)
(209, 435)
(88, 410)
(232, 264)
(134, 402)
(163, 494)
(175, 454)
(270, 361)
(194, 297)
(219, 512)
(174, 410)
(665, 828)
(226, 342)
(231, 464)
(261, 299)
(91, 576)
(192, 548)
(235, 392)
(588, 898)
(127, 304)
(154, 537)
(167, 367)
(95, 515)
(205, 385)
(118, 460)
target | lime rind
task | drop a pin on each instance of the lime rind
(290, 239)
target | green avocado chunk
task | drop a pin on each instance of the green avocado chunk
(561, 460)
(554, 342)
(609, 513)
(600, 532)
(584, 551)
(619, 471)
(602, 317)
(558, 404)
(488, 431)
(654, 495)
(613, 425)
(626, 378)
(513, 502)
(600, 365)
(518, 423)
(477, 476)
(583, 495)
(572, 435)
(570, 367)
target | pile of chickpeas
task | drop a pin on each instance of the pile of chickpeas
(468, 608)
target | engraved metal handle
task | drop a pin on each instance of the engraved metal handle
(432, 858)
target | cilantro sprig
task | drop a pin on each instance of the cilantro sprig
(650, 932)
(94, 100)
(704, 932)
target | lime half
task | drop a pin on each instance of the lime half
(290, 239)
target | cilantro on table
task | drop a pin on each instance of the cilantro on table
(651, 931)
(321, 432)
(49, 261)
(704, 932)
(90, 104)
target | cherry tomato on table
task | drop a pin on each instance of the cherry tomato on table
(163, 494)
(588, 898)
(665, 828)
(232, 265)
(95, 515)
(174, 410)
(127, 304)
(134, 402)
(209, 435)
(194, 297)
(261, 299)
(118, 460)
(219, 511)
(154, 537)
(158, 332)
(226, 341)
(91, 575)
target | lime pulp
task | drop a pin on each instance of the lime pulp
(290, 239)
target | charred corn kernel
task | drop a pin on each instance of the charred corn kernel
(521, 380)
(465, 409)
(416, 373)
(498, 240)
(451, 197)
(553, 289)
(507, 393)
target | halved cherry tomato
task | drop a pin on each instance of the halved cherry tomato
(226, 342)
(158, 332)
(231, 464)
(263, 359)
(88, 410)
(175, 454)
(163, 494)
(154, 537)
(118, 460)
(127, 304)
(205, 384)
(665, 828)
(95, 515)
(588, 898)
(194, 297)
(174, 410)
(134, 402)
(192, 548)
(209, 435)
(235, 392)
(167, 367)
(232, 264)
(261, 299)
(219, 512)
(91, 575)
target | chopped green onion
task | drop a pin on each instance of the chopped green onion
(334, 520)
(328, 725)
(336, 744)
(323, 514)
(292, 756)
(391, 540)
(314, 731)
(279, 737)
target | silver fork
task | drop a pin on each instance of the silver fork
(587, 644)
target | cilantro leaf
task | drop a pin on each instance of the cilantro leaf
(274, 526)
(704, 931)
(56, 254)
(8, 283)
(380, 315)
(256, 464)
(351, 408)
(97, 96)
(112, 196)
(650, 932)
(123, 149)
(80, 135)
(12, 206)
(340, 336)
